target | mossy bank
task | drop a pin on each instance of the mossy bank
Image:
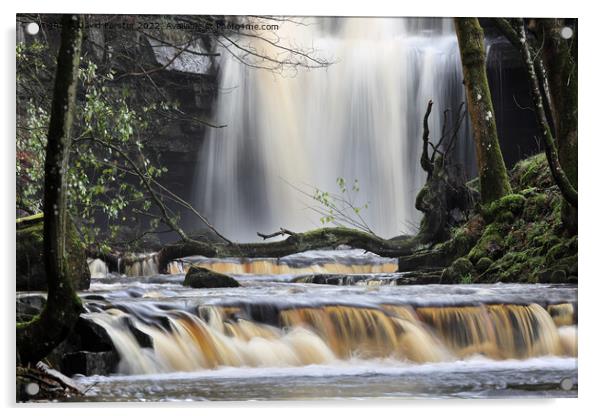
(518, 238)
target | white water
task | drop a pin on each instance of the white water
(360, 118)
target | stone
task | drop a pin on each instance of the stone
(483, 264)
(90, 363)
(31, 274)
(201, 278)
(459, 270)
(29, 306)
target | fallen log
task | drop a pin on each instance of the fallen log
(322, 238)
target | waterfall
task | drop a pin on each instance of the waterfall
(360, 119)
(313, 261)
(141, 264)
(98, 268)
(257, 335)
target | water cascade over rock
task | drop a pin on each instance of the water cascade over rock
(269, 335)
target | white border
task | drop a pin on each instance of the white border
(590, 204)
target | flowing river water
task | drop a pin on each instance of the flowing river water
(276, 337)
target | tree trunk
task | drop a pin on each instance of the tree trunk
(560, 177)
(37, 338)
(560, 60)
(492, 170)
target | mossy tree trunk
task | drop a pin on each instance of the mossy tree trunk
(553, 84)
(492, 170)
(322, 238)
(560, 60)
(37, 338)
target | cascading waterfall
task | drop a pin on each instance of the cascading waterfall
(252, 335)
(359, 118)
(313, 261)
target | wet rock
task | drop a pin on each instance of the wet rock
(90, 363)
(552, 276)
(420, 277)
(427, 259)
(558, 276)
(29, 306)
(329, 279)
(143, 339)
(201, 278)
(88, 336)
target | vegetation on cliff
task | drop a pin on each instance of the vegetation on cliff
(520, 237)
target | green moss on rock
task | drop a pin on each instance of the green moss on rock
(490, 244)
(522, 239)
(532, 171)
(483, 264)
(460, 271)
(504, 209)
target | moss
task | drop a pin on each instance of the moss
(492, 170)
(483, 264)
(531, 172)
(490, 243)
(466, 279)
(504, 209)
(518, 238)
(515, 266)
(536, 206)
(555, 252)
(30, 258)
(459, 271)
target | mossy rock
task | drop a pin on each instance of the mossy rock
(532, 172)
(522, 239)
(491, 243)
(515, 266)
(202, 278)
(460, 271)
(564, 249)
(504, 209)
(483, 264)
(31, 273)
(554, 275)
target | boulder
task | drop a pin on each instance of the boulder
(28, 306)
(460, 271)
(90, 363)
(201, 278)
(31, 274)
(483, 264)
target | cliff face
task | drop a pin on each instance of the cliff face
(186, 78)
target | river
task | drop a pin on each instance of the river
(276, 338)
